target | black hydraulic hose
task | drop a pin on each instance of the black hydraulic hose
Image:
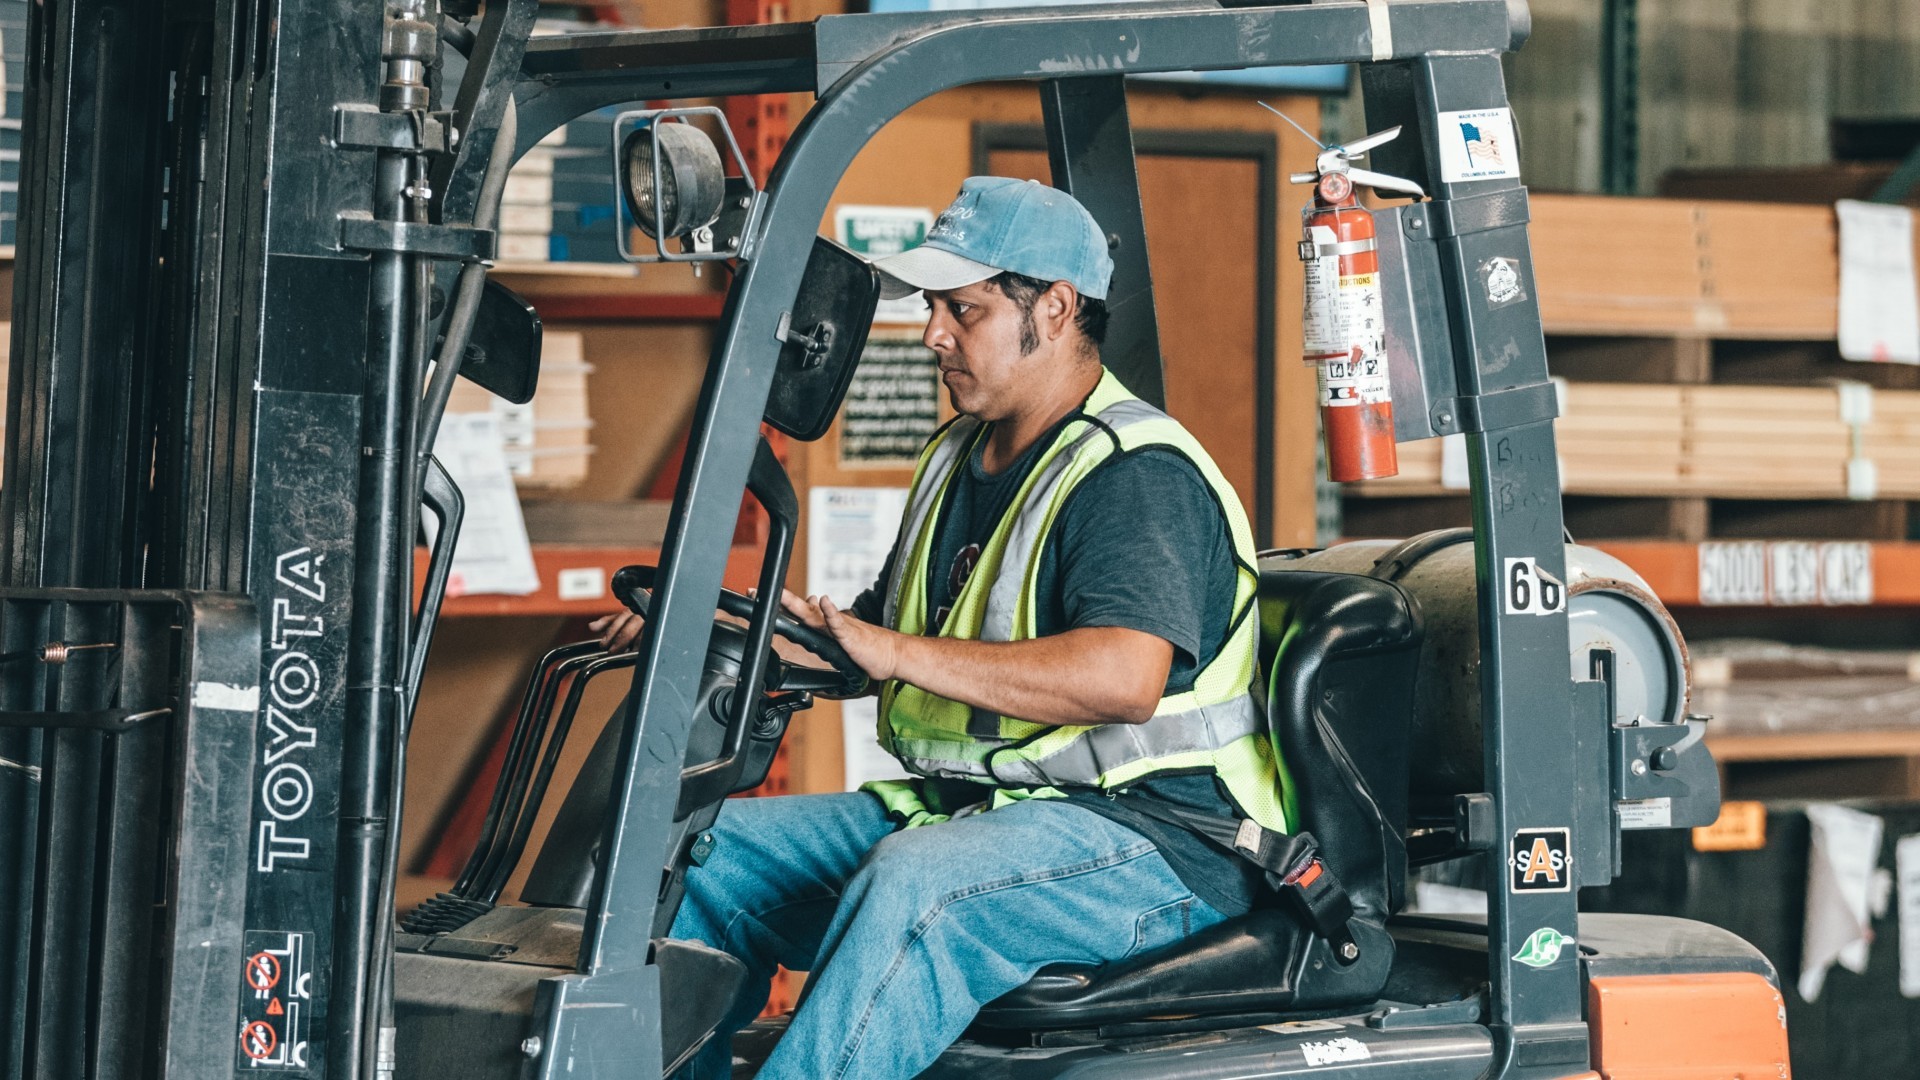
(359, 1036)
(416, 435)
(374, 653)
(466, 302)
(419, 352)
(458, 36)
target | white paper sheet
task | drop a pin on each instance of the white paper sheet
(1906, 858)
(1453, 462)
(1879, 299)
(1840, 893)
(492, 555)
(849, 532)
(864, 759)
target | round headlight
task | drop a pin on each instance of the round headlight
(692, 181)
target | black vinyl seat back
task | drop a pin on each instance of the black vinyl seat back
(1341, 653)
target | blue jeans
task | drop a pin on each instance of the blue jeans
(907, 934)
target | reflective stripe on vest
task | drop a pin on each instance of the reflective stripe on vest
(1216, 726)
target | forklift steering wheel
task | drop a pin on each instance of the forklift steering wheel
(844, 679)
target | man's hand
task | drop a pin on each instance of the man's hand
(876, 649)
(618, 631)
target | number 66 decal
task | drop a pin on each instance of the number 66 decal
(1530, 590)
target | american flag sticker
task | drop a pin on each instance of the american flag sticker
(1478, 144)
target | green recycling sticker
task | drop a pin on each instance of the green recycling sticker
(1542, 948)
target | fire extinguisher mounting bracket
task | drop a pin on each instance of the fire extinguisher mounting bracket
(1441, 219)
(1498, 410)
(1419, 331)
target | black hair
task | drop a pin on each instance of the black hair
(1089, 315)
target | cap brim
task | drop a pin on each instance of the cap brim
(928, 267)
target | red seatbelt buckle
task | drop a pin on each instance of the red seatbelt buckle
(1306, 873)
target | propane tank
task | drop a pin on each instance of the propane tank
(1609, 607)
(1344, 324)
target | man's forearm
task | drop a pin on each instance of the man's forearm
(1092, 675)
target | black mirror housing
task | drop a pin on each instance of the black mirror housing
(822, 338)
(504, 353)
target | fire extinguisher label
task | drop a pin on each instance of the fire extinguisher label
(1354, 372)
(1325, 330)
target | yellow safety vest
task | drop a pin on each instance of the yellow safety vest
(1216, 725)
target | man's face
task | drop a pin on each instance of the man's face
(975, 331)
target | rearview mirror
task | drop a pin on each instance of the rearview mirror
(821, 340)
(503, 354)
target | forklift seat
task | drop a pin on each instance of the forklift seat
(1340, 653)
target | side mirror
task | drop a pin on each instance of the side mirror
(822, 338)
(503, 354)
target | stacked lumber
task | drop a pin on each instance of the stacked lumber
(1737, 442)
(1622, 438)
(1678, 267)
(1785, 442)
(1752, 686)
(549, 440)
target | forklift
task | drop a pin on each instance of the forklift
(254, 246)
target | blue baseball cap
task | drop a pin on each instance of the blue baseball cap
(997, 224)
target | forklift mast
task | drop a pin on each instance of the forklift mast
(244, 225)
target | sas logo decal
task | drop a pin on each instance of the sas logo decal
(1541, 861)
(1542, 947)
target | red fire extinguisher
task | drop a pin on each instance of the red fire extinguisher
(1345, 326)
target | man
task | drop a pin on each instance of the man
(1063, 642)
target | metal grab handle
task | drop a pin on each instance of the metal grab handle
(583, 671)
(442, 496)
(770, 485)
(523, 722)
(515, 784)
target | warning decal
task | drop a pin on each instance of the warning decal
(276, 1004)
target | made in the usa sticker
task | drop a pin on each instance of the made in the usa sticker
(1478, 144)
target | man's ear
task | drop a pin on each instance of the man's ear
(1054, 310)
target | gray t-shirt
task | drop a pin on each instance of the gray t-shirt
(1141, 543)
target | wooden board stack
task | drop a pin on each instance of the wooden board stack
(1774, 442)
(1735, 442)
(1622, 438)
(1676, 267)
(549, 440)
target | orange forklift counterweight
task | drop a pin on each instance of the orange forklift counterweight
(1688, 1027)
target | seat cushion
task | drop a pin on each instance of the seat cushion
(1261, 962)
(1339, 651)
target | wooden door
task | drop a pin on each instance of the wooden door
(1208, 205)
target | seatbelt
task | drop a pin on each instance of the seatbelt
(1290, 863)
